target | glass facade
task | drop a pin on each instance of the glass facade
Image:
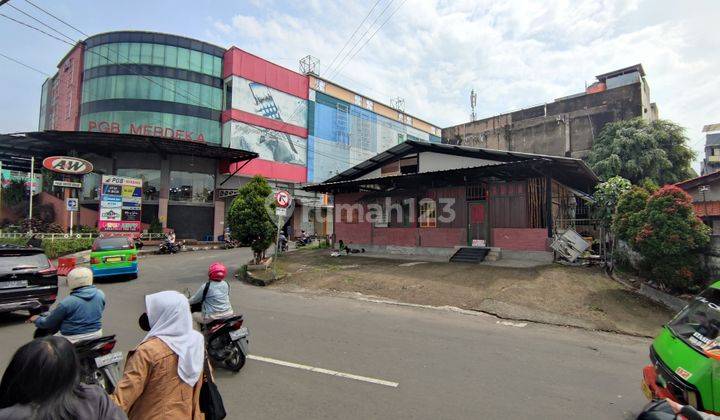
(150, 178)
(152, 84)
(152, 88)
(181, 127)
(191, 186)
(155, 54)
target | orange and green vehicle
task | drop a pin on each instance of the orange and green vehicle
(114, 256)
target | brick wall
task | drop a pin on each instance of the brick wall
(395, 236)
(443, 237)
(519, 239)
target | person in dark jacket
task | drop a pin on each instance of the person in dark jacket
(79, 316)
(42, 382)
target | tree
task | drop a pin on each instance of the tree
(248, 217)
(669, 237)
(638, 150)
(607, 195)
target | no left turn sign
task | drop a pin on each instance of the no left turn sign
(282, 198)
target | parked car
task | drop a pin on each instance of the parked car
(114, 256)
(28, 281)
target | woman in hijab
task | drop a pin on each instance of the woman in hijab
(163, 375)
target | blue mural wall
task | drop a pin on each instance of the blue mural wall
(342, 135)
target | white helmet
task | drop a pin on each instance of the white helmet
(79, 277)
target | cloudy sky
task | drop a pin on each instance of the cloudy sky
(431, 53)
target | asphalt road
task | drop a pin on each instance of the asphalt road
(446, 365)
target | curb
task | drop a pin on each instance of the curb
(656, 295)
(480, 312)
(144, 252)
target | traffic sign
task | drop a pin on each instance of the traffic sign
(282, 198)
(72, 204)
(281, 212)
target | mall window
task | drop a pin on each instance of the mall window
(183, 58)
(196, 61)
(150, 178)
(146, 53)
(191, 186)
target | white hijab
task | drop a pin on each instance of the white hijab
(171, 322)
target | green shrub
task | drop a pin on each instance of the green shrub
(628, 215)
(56, 248)
(85, 229)
(14, 241)
(669, 237)
(60, 247)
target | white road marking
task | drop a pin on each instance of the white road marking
(323, 371)
(512, 324)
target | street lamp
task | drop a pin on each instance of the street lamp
(703, 189)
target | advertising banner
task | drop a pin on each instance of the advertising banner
(120, 205)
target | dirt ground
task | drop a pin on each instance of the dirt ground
(577, 296)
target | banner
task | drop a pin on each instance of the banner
(120, 205)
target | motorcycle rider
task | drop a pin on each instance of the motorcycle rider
(216, 304)
(79, 315)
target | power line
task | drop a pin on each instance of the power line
(352, 36)
(371, 37)
(377, 17)
(36, 28)
(40, 22)
(24, 65)
(189, 95)
(55, 17)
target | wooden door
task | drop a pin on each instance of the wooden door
(477, 221)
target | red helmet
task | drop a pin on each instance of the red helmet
(217, 271)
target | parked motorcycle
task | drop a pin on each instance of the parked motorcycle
(167, 247)
(227, 342)
(98, 363)
(230, 243)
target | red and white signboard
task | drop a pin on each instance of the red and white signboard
(67, 165)
(282, 198)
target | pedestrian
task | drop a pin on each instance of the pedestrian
(42, 382)
(79, 315)
(162, 377)
(215, 303)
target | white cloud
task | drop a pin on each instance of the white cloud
(515, 54)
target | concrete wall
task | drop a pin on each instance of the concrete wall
(565, 127)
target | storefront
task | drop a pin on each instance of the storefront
(179, 178)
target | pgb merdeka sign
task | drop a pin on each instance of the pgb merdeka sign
(67, 165)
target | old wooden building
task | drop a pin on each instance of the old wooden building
(433, 199)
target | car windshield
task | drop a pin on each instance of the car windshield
(699, 323)
(10, 262)
(112, 244)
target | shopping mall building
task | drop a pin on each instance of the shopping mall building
(195, 121)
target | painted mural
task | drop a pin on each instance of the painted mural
(343, 135)
(269, 144)
(267, 102)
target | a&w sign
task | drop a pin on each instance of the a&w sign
(67, 165)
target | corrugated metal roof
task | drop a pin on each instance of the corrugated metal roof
(572, 172)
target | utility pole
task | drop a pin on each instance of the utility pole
(32, 180)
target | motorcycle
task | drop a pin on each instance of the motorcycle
(231, 243)
(98, 363)
(227, 342)
(660, 410)
(166, 247)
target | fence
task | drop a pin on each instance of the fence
(61, 236)
(50, 236)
